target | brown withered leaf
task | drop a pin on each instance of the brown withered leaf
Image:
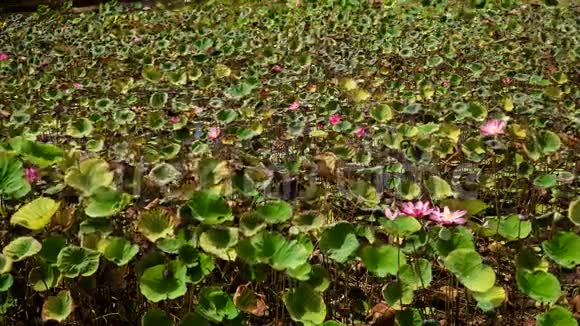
(249, 301)
(64, 218)
(575, 305)
(382, 315)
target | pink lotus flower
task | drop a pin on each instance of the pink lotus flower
(360, 132)
(174, 119)
(392, 214)
(319, 125)
(418, 209)
(294, 106)
(493, 127)
(214, 132)
(445, 83)
(31, 174)
(78, 85)
(276, 68)
(507, 80)
(447, 216)
(334, 119)
(4, 56)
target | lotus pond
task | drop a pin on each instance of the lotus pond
(291, 162)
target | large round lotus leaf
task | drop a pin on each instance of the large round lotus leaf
(461, 238)
(205, 266)
(156, 317)
(43, 277)
(220, 242)
(216, 305)
(210, 208)
(511, 227)
(36, 214)
(309, 221)
(564, 249)
(21, 248)
(301, 273)
(73, 261)
(408, 190)
(251, 224)
(402, 226)
(539, 285)
(438, 188)
(89, 175)
(417, 274)
(490, 299)
(545, 181)
(275, 211)
(194, 319)
(466, 265)
(6, 281)
(397, 293)
(382, 113)
(80, 128)
(339, 242)
(305, 305)
(290, 255)
(158, 100)
(12, 182)
(163, 282)
(574, 211)
(5, 264)
(164, 173)
(319, 278)
(227, 116)
(155, 224)
(548, 142)
(189, 255)
(557, 316)
(382, 260)
(41, 155)
(409, 317)
(151, 74)
(51, 247)
(212, 172)
(57, 307)
(118, 250)
(105, 202)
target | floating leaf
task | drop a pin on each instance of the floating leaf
(402, 226)
(57, 307)
(305, 305)
(339, 242)
(408, 190)
(89, 175)
(118, 250)
(106, 202)
(164, 173)
(155, 224)
(210, 208)
(41, 155)
(162, 282)
(43, 278)
(73, 261)
(12, 182)
(220, 242)
(156, 317)
(36, 214)
(545, 181)
(539, 285)
(158, 100)
(50, 248)
(382, 260)
(275, 211)
(438, 188)
(80, 128)
(6, 281)
(556, 316)
(490, 299)
(216, 305)
(397, 293)
(564, 249)
(548, 142)
(21, 248)
(466, 265)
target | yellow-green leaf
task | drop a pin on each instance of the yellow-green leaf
(36, 214)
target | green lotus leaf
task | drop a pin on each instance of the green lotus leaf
(171, 245)
(51, 246)
(227, 116)
(210, 208)
(212, 172)
(564, 249)
(548, 142)
(409, 317)
(539, 285)
(301, 273)
(158, 100)
(194, 319)
(251, 224)
(339, 242)
(118, 250)
(155, 225)
(105, 202)
(124, 116)
(305, 305)
(43, 277)
(12, 181)
(170, 151)
(397, 293)
(490, 299)
(156, 317)
(216, 305)
(408, 190)
(189, 255)
(365, 193)
(83, 127)
(240, 90)
(275, 211)
(222, 71)
(510, 227)
(164, 173)
(402, 226)
(5, 264)
(41, 155)
(6, 281)
(151, 74)
(461, 238)
(73, 261)
(290, 255)
(438, 188)
(21, 248)
(319, 278)
(220, 242)
(556, 316)
(574, 211)
(466, 265)
(89, 176)
(36, 214)
(382, 260)
(178, 78)
(309, 221)
(249, 301)
(545, 181)
(95, 145)
(417, 274)
(162, 282)
(58, 307)
(204, 267)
